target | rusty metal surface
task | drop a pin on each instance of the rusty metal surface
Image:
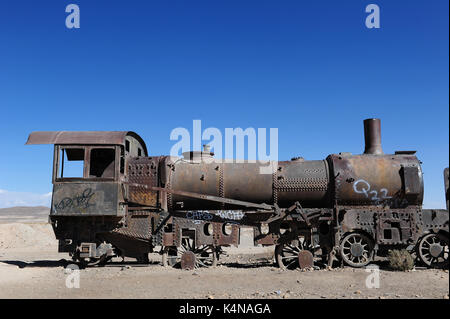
(180, 224)
(396, 227)
(217, 237)
(372, 137)
(85, 199)
(432, 220)
(375, 180)
(137, 225)
(206, 197)
(265, 240)
(237, 181)
(188, 260)
(168, 239)
(220, 238)
(303, 181)
(305, 259)
(143, 173)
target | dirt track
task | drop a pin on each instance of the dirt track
(30, 267)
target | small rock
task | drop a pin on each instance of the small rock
(286, 295)
(278, 292)
(446, 296)
(194, 274)
(357, 292)
(210, 297)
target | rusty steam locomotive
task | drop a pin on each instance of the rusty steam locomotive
(346, 207)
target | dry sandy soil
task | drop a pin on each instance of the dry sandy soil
(30, 267)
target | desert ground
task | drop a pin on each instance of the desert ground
(31, 267)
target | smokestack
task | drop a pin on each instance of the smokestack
(372, 136)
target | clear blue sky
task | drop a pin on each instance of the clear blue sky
(310, 68)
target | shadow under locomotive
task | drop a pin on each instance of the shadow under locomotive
(111, 199)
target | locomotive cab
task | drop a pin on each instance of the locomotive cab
(89, 187)
(89, 170)
(86, 180)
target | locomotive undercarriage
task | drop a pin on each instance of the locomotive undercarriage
(302, 238)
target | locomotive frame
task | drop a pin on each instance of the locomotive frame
(347, 207)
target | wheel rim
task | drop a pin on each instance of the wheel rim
(433, 251)
(356, 250)
(205, 255)
(287, 254)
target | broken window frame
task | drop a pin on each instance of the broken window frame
(86, 166)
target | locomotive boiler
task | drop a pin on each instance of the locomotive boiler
(347, 208)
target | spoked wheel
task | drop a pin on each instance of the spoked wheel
(433, 251)
(357, 250)
(286, 254)
(202, 256)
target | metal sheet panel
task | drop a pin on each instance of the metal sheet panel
(85, 199)
(375, 180)
(83, 138)
(143, 171)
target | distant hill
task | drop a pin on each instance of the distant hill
(24, 214)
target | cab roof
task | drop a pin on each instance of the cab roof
(83, 138)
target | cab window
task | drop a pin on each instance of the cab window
(102, 163)
(71, 163)
(87, 162)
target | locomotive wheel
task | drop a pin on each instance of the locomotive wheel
(357, 250)
(433, 251)
(205, 255)
(286, 254)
